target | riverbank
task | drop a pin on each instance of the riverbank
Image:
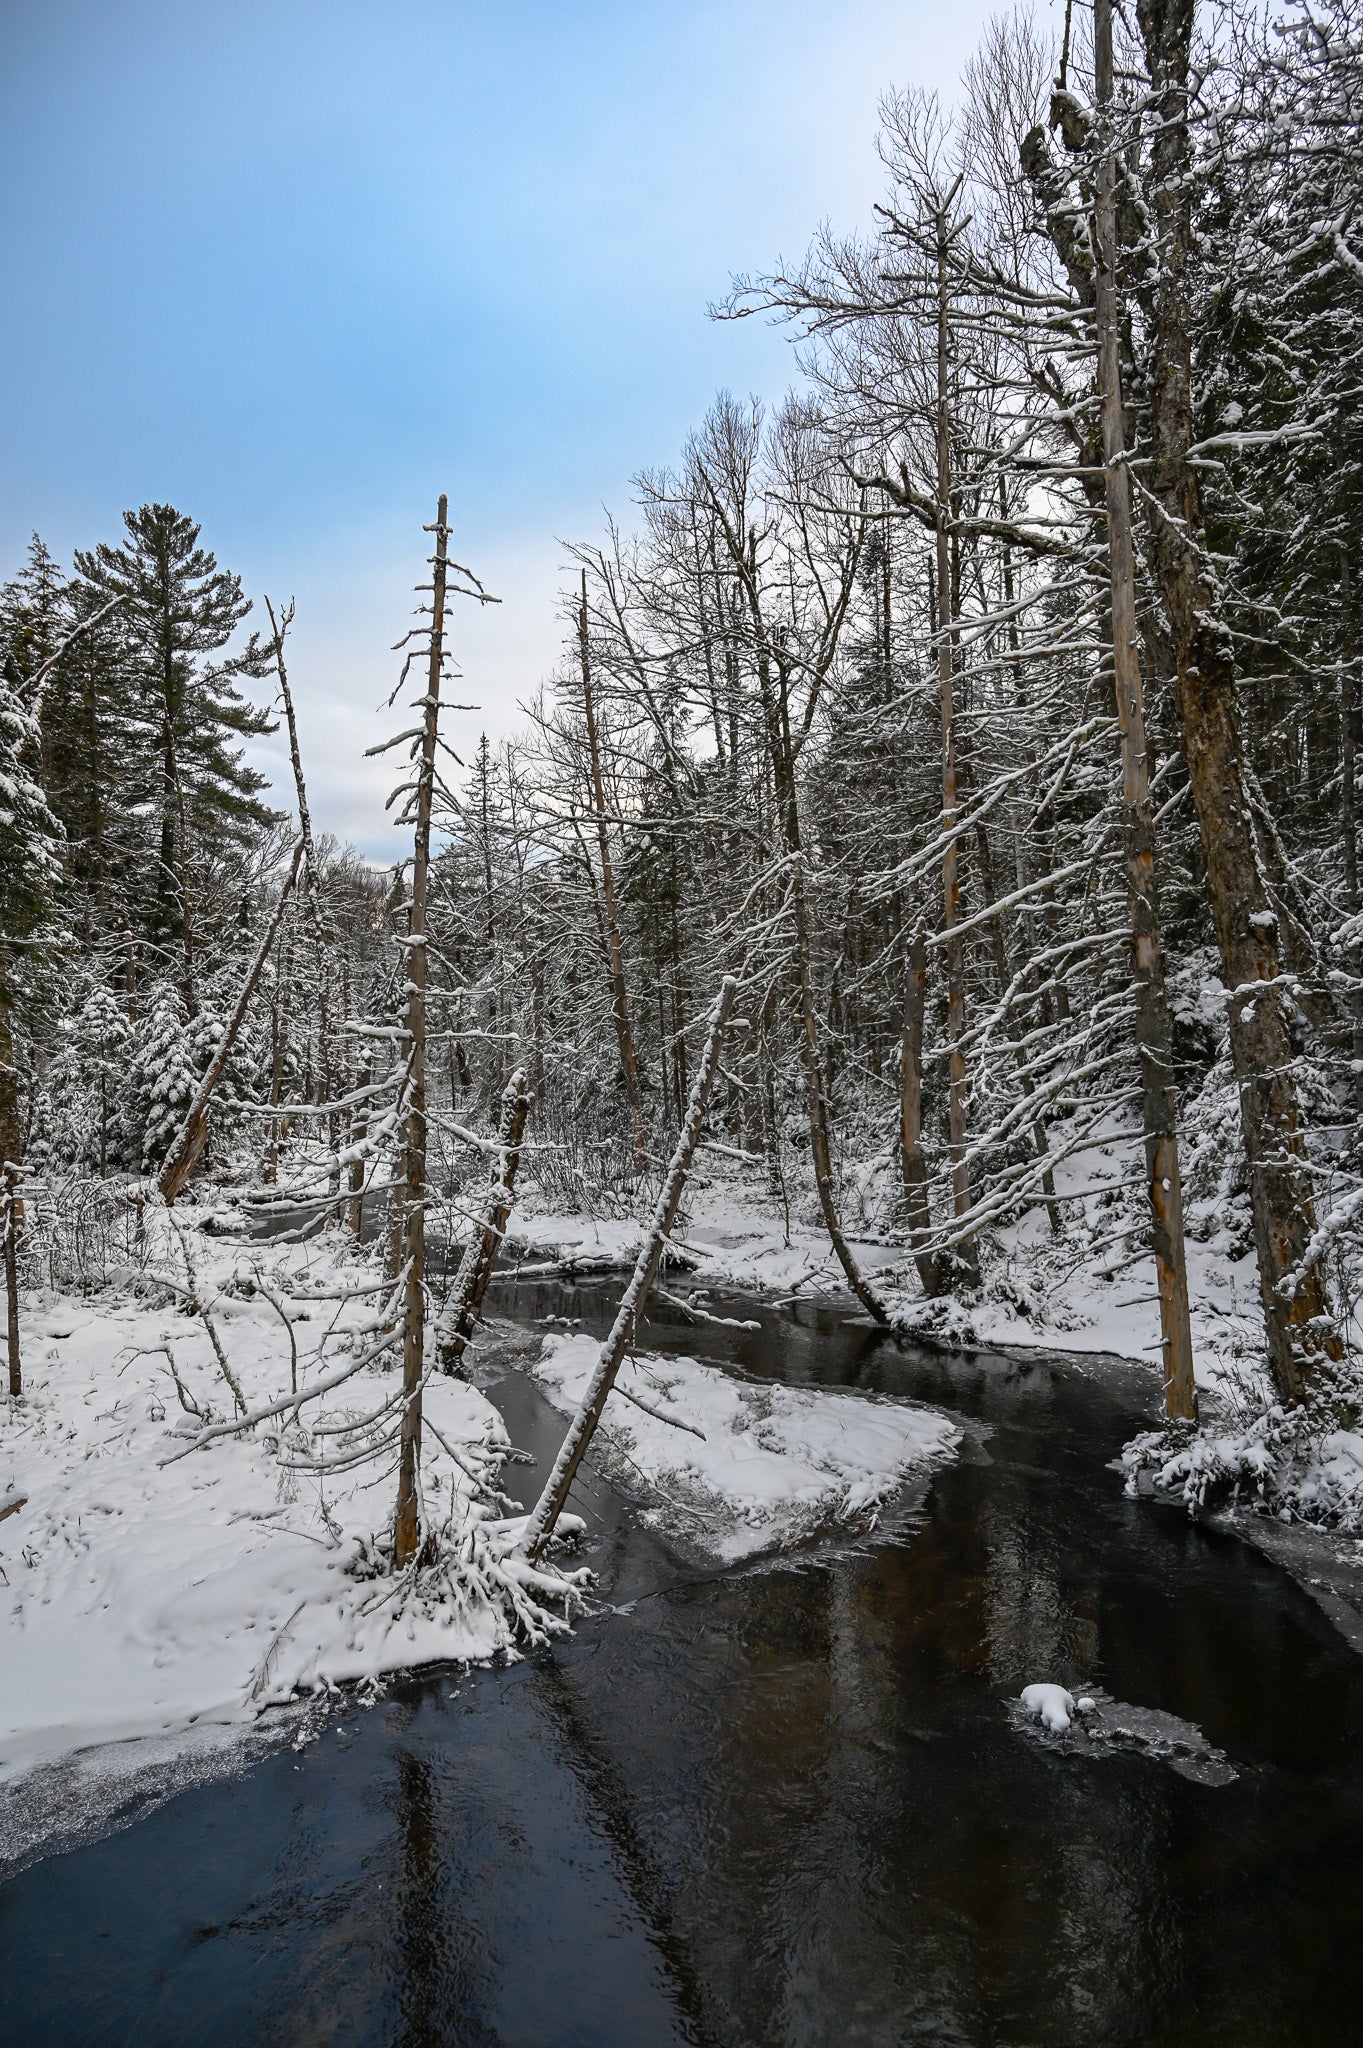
(1092, 1291)
(160, 1578)
(168, 1572)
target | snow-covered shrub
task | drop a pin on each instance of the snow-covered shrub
(83, 1114)
(1303, 1463)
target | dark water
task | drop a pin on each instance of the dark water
(783, 1804)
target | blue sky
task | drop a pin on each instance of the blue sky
(297, 268)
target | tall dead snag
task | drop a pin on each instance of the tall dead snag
(542, 1523)
(466, 1300)
(407, 1519)
(279, 626)
(407, 1516)
(1298, 1324)
(193, 1134)
(629, 1066)
(1154, 1033)
(964, 1255)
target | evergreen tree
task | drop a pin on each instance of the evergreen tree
(163, 1078)
(180, 608)
(29, 870)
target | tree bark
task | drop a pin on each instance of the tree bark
(629, 1066)
(193, 1134)
(12, 1214)
(1299, 1328)
(821, 1151)
(466, 1302)
(1154, 1034)
(407, 1530)
(312, 892)
(542, 1522)
(912, 1165)
(964, 1256)
(1348, 813)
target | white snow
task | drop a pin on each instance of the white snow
(1051, 1705)
(1087, 1296)
(775, 1463)
(140, 1597)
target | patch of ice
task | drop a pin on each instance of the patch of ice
(1097, 1725)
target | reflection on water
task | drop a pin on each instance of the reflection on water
(780, 1804)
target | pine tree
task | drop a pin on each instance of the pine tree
(180, 608)
(29, 872)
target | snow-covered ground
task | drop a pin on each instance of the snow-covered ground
(145, 1591)
(757, 1466)
(166, 1575)
(1087, 1294)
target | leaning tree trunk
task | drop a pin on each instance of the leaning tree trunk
(312, 893)
(542, 1522)
(193, 1133)
(1297, 1319)
(459, 1321)
(820, 1146)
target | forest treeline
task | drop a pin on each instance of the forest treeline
(988, 707)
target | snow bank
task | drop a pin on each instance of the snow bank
(1093, 1292)
(141, 1596)
(1302, 1464)
(775, 1464)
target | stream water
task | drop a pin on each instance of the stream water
(780, 1804)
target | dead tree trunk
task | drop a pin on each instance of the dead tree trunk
(13, 1214)
(541, 1524)
(1154, 1033)
(964, 1256)
(912, 1165)
(821, 1150)
(1298, 1324)
(629, 1066)
(312, 893)
(407, 1518)
(359, 1131)
(466, 1301)
(1348, 813)
(193, 1134)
